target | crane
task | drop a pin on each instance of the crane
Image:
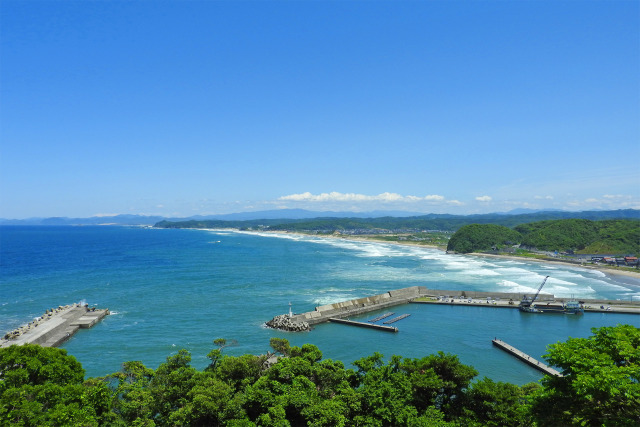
(526, 305)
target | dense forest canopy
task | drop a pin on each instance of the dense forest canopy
(46, 387)
(608, 236)
(482, 237)
(579, 235)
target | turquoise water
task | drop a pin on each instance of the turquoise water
(173, 289)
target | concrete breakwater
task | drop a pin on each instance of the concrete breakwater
(352, 307)
(55, 326)
(359, 306)
(355, 307)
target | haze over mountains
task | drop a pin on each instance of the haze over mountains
(286, 214)
(125, 219)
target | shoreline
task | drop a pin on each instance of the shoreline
(601, 268)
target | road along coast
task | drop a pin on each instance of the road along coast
(55, 326)
(421, 294)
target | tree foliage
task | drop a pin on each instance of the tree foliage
(482, 237)
(45, 387)
(581, 235)
(600, 383)
(600, 386)
(610, 236)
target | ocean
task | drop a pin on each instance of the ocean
(169, 289)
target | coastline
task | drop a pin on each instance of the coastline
(610, 271)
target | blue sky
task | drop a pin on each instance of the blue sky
(180, 108)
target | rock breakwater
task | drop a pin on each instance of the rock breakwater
(286, 323)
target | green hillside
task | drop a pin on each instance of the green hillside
(578, 235)
(482, 237)
(583, 236)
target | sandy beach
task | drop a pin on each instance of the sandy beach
(612, 271)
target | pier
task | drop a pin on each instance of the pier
(395, 319)
(382, 316)
(364, 324)
(526, 358)
(55, 326)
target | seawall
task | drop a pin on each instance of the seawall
(422, 294)
(55, 326)
(358, 306)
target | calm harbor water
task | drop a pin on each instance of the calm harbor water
(173, 289)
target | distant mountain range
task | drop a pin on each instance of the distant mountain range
(301, 214)
(240, 216)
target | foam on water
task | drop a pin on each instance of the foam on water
(514, 287)
(333, 298)
(286, 236)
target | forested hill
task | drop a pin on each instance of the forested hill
(579, 235)
(442, 222)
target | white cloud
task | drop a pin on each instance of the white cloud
(543, 197)
(607, 201)
(354, 197)
(483, 198)
(616, 196)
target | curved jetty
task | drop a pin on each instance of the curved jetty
(55, 326)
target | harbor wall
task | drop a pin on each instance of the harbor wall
(363, 305)
(396, 297)
(483, 295)
(358, 306)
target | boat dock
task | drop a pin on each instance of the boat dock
(363, 324)
(382, 316)
(55, 326)
(526, 358)
(395, 319)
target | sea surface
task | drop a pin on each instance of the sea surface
(172, 289)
